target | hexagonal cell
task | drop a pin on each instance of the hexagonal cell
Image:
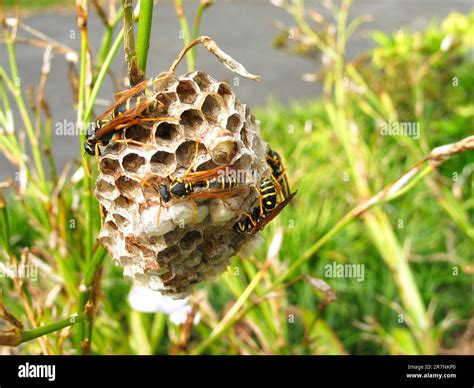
(224, 151)
(166, 132)
(107, 241)
(187, 91)
(137, 248)
(186, 153)
(166, 99)
(126, 260)
(177, 282)
(172, 238)
(111, 225)
(123, 203)
(234, 123)
(251, 118)
(209, 165)
(244, 135)
(129, 188)
(204, 81)
(120, 221)
(106, 189)
(152, 268)
(192, 121)
(225, 92)
(163, 163)
(213, 106)
(138, 134)
(193, 261)
(164, 81)
(114, 148)
(167, 277)
(244, 162)
(190, 240)
(109, 166)
(133, 162)
(240, 108)
(150, 193)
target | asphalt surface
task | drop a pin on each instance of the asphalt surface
(243, 28)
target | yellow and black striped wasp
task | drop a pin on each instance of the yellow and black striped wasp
(266, 211)
(268, 207)
(213, 182)
(131, 107)
(218, 182)
(278, 172)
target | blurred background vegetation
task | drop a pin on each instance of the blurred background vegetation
(416, 248)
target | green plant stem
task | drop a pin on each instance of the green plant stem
(227, 321)
(23, 111)
(102, 74)
(203, 5)
(29, 335)
(85, 293)
(5, 224)
(143, 34)
(186, 32)
(105, 44)
(81, 122)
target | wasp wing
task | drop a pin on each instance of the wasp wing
(270, 216)
(121, 97)
(219, 193)
(216, 172)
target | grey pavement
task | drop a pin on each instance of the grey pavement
(243, 28)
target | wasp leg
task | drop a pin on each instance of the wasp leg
(102, 215)
(260, 198)
(194, 159)
(85, 166)
(148, 184)
(97, 151)
(195, 212)
(131, 141)
(277, 184)
(250, 217)
(158, 215)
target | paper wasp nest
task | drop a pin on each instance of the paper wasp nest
(189, 243)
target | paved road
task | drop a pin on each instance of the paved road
(243, 28)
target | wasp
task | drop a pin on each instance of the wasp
(214, 183)
(266, 211)
(131, 107)
(278, 172)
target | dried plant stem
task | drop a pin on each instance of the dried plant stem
(143, 34)
(212, 47)
(135, 75)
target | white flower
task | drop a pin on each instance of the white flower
(146, 300)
